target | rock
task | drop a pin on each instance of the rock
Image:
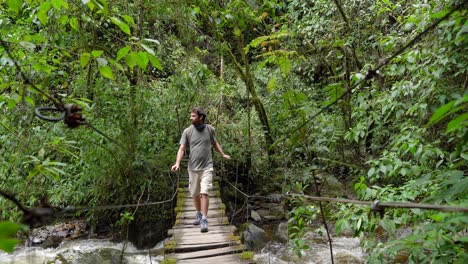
(263, 212)
(255, 216)
(347, 258)
(282, 233)
(51, 242)
(254, 237)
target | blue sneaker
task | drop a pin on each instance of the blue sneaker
(204, 225)
(198, 218)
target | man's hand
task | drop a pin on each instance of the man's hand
(175, 167)
(226, 156)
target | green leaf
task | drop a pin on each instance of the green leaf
(42, 13)
(8, 244)
(122, 52)
(101, 62)
(272, 84)
(116, 65)
(122, 25)
(456, 123)
(106, 71)
(74, 23)
(84, 59)
(132, 59)
(148, 49)
(9, 229)
(439, 14)
(155, 62)
(388, 225)
(152, 40)
(14, 5)
(128, 19)
(97, 53)
(440, 113)
(143, 60)
(371, 172)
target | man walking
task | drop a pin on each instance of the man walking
(199, 137)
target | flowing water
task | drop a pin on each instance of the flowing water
(345, 251)
(91, 251)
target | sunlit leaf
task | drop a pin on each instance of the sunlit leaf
(128, 19)
(97, 53)
(155, 62)
(148, 49)
(143, 60)
(131, 59)
(101, 62)
(74, 23)
(122, 52)
(42, 13)
(84, 59)
(152, 40)
(122, 25)
(14, 5)
(106, 71)
(28, 45)
(458, 122)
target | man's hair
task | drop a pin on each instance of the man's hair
(200, 112)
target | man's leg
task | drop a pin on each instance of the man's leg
(194, 187)
(205, 186)
(205, 202)
(196, 203)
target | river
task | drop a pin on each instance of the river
(91, 251)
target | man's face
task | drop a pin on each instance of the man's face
(195, 118)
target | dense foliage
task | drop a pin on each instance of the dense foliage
(285, 84)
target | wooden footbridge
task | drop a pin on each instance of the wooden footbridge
(188, 245)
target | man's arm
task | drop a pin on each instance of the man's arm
(218, 148)
(180, 155)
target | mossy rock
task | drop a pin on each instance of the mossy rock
(235, 238)
(247, 255)
(169, 261)
(243, 227)
(169, 246)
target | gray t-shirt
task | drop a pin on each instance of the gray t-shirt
(200, 143)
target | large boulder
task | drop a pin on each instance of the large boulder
(254, 237)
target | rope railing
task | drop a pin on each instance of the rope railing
(375, 205)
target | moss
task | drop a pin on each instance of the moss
(225, 221)
(222, 207)
(217, 193)
(178, 209)
(247, 255)
(179, 215)
(169, 246)
(169, 261)
(178, 222)
(240, 248)
(243, 227)
(233, 237)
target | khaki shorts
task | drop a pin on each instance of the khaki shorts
(200, 181)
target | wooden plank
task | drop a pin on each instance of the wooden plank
(207, 253)
(226, 259)
(195, 231)
(201, 247)
(188, 223)
(191, 215)
(191, 208)
(189, 200)
(204, 238)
